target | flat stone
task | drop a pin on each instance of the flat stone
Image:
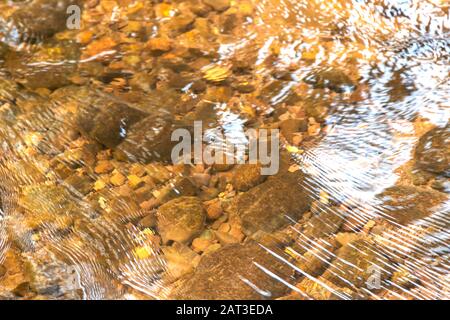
(247, 176)
(82, 184)
(333, 79)
(27, 70)
(218, 5)
(232, 272)
(46, 198)
(327, 222)
(277, 92)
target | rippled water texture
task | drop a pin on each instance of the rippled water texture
(91, 206)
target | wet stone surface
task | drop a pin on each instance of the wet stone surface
(355, 264)
(181, 219)
(272, 205)
(433, 151)
(405, 204)
(39, 19)
(235, 272)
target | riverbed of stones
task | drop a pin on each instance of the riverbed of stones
(87, 178)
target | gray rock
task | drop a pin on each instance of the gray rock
(181, 219)
(433, 151)
(232, 272)
(270, 205)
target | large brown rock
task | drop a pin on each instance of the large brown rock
(271, 205)
(148, 140)
(325, 223)
(235, 272)
(181, 219)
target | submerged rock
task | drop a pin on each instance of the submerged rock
(48, 67)
(278, 92)
(290, 127)
(356, 263)
(148, 140)
(181, 219)
(433, 151)
(2, 271)
(333, 79)
(246, 176)
(321, 289)
(405, 204)
(47, 204)
(315, 261)
(271, 205)
(109, 122)
(3, 50)
(180, 259)
(46, 198)
(235, 272)
(39, 19)
(323, 224)
(218, 5)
